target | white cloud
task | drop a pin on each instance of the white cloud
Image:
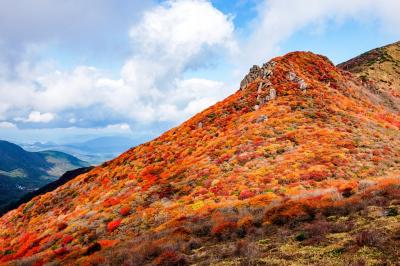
(180, 30)
(7, 125)
(277, 20)
(167, 41)
(37, 117)
(122, 127)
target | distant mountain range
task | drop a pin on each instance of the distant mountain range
(94, 151)
(22, 171)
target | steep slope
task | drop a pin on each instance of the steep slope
(301, 143)
(22, 172)
(379, 69)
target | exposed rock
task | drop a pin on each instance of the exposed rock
(256, 72)
(293, 77)
(303, 85)
(261, 119)
(272, 94)
(200, 125)
(260, 87)
(256, 107)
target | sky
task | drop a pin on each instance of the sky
(74, 70)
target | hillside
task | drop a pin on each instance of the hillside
(22, 172)
(379, 69)
(300, 166)
(67, 176)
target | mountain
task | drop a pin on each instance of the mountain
(95, 151)
(22, 172)
(299, 166)
(67, 176)
(379, 70)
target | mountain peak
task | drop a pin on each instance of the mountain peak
(379, 70)
(295, 70)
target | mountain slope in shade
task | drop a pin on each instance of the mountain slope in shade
(22, 172)
(67, 176)
(294, 167)
(379, 69)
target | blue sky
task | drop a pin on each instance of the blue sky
(75, 70)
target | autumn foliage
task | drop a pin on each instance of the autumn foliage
(111, 226)
(223, 174)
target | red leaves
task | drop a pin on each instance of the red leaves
(61, 226)
(223, 227)
(170, 257)
(315, 175)
(391, 120)
(125, 211)
(149, 180)
(67, 239)
(105, 181)
(245, 194)
(61, 251)
(111, 226)
(111, 202)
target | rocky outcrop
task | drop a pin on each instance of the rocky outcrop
(265, 90)
(293, 77)
(258, 72)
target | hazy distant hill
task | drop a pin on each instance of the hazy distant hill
(22, 172)
(94, 151)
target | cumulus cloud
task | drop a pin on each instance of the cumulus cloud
(122, 126)
(167, 41)
(37, 117)
(277, 20)
(7, 125)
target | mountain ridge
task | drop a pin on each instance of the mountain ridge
(379, 70)
(22, 172)
(301, 139)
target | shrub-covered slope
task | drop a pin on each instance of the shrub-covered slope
(379, 69)
(288, 169)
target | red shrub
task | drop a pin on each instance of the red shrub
(67, 239)
(170, 257)
(111, 226)
(62, 226)
(60, 251)
(124, 211)
(111, 202)
(245, 194)
(223, 229)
